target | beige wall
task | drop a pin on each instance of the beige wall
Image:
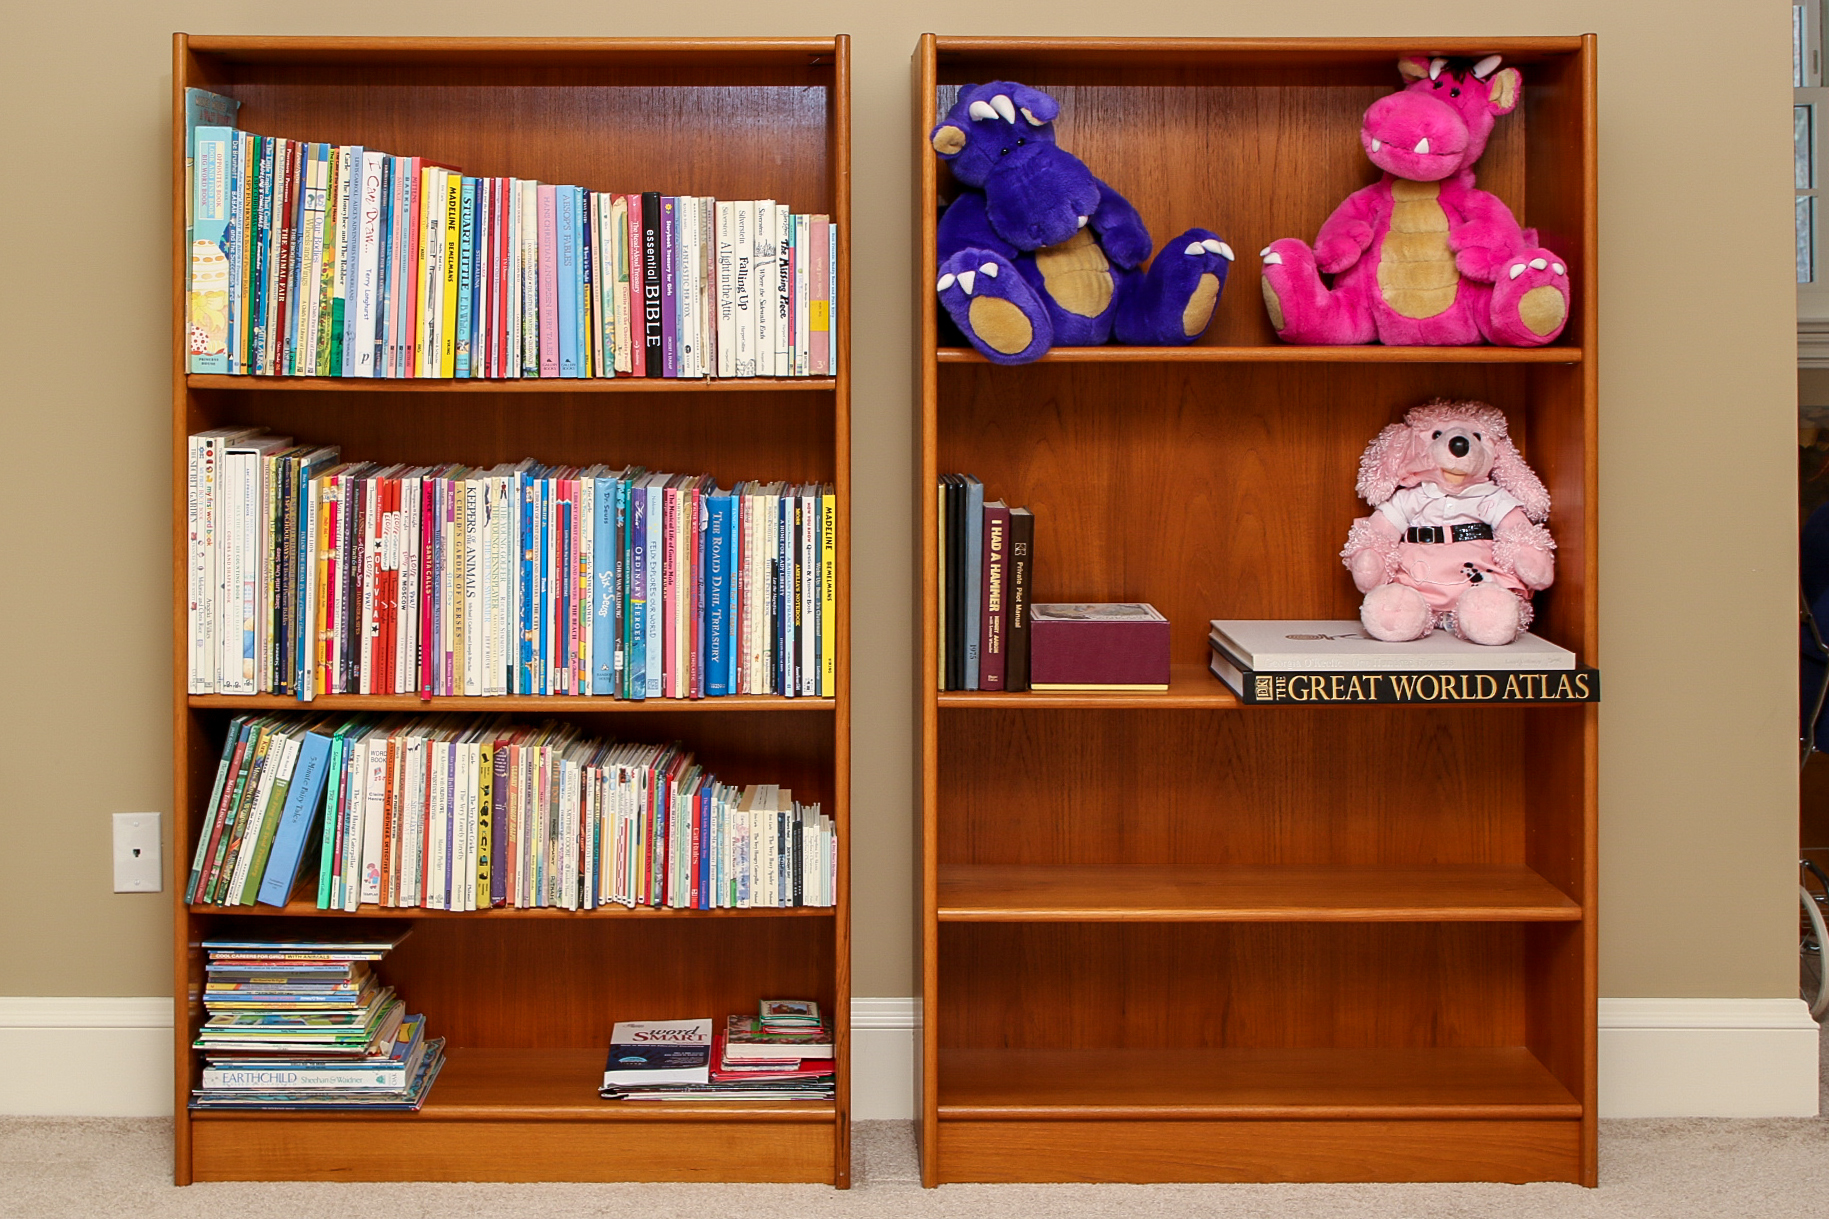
(1697, 787)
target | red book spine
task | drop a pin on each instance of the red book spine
(409, 335)
(993, 595)
(428, 528)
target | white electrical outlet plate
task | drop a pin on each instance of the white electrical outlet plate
(138, 861)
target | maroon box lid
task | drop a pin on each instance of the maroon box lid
(1098, 644)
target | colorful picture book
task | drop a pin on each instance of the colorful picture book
(298, 1024)
(459, 813)
(326, 260)
(987, 578)
(311, 575)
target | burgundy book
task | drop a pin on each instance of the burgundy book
(1018, 585)
(993, 595)
(1098, 646)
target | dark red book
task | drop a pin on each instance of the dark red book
(1020, 583)
(993, 596)
(1098, 646)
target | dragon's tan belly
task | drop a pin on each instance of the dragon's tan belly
(1416, 272)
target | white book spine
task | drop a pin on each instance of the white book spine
(367, 264)
(530, 282)
(199, 474)
(470, 553)
(707, 286)
(765, 266)
(686, 290)
(726, 288)
(743, 287)
(784, 292)
(374, 818)
(355, 824)
(229, 617)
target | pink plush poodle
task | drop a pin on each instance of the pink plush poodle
(1456, 536)
(1421, 256)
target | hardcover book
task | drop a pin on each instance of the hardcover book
(1407, 685)
(1342, 646)
(1098, 646)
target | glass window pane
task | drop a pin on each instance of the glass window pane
(1806, 239)
(1797, 46)
(1803, 147)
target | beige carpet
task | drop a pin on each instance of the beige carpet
(103, 1168)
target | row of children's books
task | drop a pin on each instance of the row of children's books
(987, 578)
(327, 260)
(457, 813)
(310, 575)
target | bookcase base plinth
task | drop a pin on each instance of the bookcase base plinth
(310, 1147)
(1264, 1151)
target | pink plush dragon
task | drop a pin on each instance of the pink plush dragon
(1421, 256)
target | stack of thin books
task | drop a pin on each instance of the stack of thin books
(784, 1054)
(306, 1024)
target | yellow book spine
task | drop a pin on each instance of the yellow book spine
(447, 313)
(323, 496)
(828, 593)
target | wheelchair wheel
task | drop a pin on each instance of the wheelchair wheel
(1813, 979)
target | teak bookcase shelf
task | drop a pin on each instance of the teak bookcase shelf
(527, 998)
(1167, 937)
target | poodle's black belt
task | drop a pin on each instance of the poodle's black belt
(1479, 531)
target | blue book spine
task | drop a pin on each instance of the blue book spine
(480, 277)
(208, 306)
(568, 281)
(702, 814)
(466, 273)
(530, 540)
(657, 600)
(603, 589)
(295, 820)
(669, 264)
(638, 593)
(384, 269)
(237, 249)
(717, 595)
(974, 566)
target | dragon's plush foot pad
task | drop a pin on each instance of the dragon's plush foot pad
(1290, 280)
(1530, 300)
(1193, 268)
(995, 307)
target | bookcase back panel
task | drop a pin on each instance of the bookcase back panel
(1281, 785)
(579, 128)
(1289, 985)
(550, 984)
(1225, 490)
(1258, 153)
(788, 435)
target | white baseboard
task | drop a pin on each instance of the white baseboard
(1707, 1058)
(882, 1058)
(1658, 1057)
(85, 1057)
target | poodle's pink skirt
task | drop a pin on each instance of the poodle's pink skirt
(1440, 572)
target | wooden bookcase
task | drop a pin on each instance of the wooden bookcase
(527, 998)
(1170, 938)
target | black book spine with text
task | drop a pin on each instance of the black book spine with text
(650, 281)
(1426, 686)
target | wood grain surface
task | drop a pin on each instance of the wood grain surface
(1307, 1084)
(1248, 893)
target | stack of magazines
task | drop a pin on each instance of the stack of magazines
(749, 1059)
(297, 1024)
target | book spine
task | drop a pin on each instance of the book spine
(762, 277)
(207, 337)
(717, 599)
(466, 277)
(783, 303)
(653, 337)
(1016, 615)
(828, 592)
(725, 297)
(833, 304)
(1553, 686)
(673, 294)
(972, 578)
(993, 594)
(590, 333)
(617, 242)
(819, 317)
(742, 288)
(657, 604)
(548, 243)
(565, 267)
